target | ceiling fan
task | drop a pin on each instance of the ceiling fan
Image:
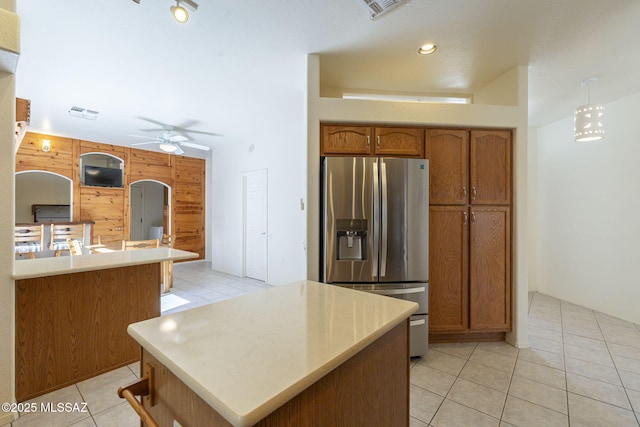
(174, 137)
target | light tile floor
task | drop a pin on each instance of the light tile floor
(583, 369)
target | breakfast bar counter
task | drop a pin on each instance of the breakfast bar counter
(305, 353)
(72, 313)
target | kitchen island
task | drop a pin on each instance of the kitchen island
(72, 313)
(305, 353)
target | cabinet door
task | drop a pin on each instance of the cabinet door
(448, 268)
(448, 154)
(345, 140)
(490, 167)
(490, 268)
(399, 142)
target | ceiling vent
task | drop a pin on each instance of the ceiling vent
(378, 8)
(83, 113)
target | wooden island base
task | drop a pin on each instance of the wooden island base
(369, 389)
(71, 327)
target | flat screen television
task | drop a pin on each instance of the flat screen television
(102, 177)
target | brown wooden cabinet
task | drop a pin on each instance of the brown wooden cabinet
(469, 234)
(399, 141)
(448, 154)
(490, 268)
(362, 140)
(448, 268)
(346, 140)
(470, 269)
(490, 167)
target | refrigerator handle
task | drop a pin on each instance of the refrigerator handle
(375, 195)
(384, 219)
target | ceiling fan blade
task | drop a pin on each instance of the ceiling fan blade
(187, 124)
(198, 146)
(145, 143)
(147, 137)
(155, 122)
(179, 151)
(200, 132)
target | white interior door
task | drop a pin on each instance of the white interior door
(255, 224)
(136, 201)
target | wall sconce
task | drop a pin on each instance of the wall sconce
(46, 145)
(588, 120)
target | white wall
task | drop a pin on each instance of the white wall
(39, 188)
(7, 168)
(588, 213)
(276, 128)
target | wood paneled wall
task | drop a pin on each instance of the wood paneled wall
(188, 204)
(108, 208)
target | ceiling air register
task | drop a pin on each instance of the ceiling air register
(378, 8)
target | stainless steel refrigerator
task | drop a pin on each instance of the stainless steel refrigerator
(375, 226)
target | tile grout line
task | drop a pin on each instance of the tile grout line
(624, 388)
(564, 361)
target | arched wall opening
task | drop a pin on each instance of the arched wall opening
(150, 209)
(41, 188)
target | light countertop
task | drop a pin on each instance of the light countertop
(247, 356)
(53, 266)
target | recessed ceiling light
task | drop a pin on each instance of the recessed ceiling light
(427, 49)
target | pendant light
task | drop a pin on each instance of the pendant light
(588, 120)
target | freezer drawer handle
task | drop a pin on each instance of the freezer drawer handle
(398, 291)
(417, 322)
(142, 387)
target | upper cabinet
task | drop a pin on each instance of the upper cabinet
(469, 167)
(448, 154)
(399, 141)
(346, 140)
(349, 140)
(490, 167)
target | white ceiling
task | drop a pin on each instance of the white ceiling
(129, 60)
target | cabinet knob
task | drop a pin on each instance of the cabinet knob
(464, 221)
(474, 193)
(378, 138)
(368, 140)
(464, 192)
(473, 217)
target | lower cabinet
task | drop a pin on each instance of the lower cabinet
(469, 272)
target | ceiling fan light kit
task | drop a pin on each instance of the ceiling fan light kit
(168, 147)
(171, 141)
